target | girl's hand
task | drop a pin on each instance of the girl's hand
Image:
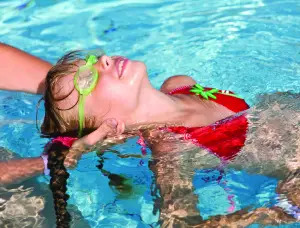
(87, 143)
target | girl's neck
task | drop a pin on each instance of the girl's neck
(156, 107)
(159, 109)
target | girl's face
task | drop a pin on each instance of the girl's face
(119, 85)
(117, 91)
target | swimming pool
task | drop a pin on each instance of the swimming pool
(250, 47)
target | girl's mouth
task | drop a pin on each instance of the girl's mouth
(121, 63)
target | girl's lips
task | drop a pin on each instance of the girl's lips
(121, 63)
(124, 66)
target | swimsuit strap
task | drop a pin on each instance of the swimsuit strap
(223, 97)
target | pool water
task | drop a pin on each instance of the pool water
(250, 47)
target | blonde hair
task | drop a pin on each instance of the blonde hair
(56, 120)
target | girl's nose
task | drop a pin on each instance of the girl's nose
(105, 62)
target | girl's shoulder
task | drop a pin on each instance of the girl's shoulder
(176, 81)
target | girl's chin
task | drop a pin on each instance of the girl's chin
(138, 66)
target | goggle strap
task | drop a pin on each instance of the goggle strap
(90, 60)
(81, 114)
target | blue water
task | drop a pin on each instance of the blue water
(249, 46)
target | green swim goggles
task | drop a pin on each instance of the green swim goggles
(85, 81)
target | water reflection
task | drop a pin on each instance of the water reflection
(272, 149)
(30, 204)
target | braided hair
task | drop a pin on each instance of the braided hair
(55, 125)
(58, 183)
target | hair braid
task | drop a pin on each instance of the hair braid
(58, 183)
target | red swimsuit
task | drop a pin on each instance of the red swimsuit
(224, 138)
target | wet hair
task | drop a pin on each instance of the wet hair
(55, 125)
(58, 182)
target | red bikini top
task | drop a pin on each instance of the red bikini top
(224, 138)
(223, 97)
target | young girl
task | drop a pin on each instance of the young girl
(180, 122)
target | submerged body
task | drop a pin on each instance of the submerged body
(271, 148)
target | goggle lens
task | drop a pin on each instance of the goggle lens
(85, 79)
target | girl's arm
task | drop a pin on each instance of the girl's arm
(21, 71)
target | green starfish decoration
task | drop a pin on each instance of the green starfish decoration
(199, 90)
